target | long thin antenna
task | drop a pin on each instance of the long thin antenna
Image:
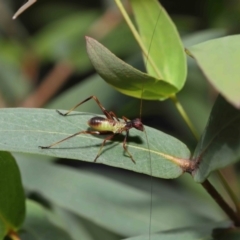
(149, 154)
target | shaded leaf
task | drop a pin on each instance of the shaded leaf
(118, 206)
(12, 200)
(38, 227)
(23, 130)
(77, 226)
(203, 232)
(218, 60)
(162, 40)
(125, 78)
(219, 145)
(226, 234)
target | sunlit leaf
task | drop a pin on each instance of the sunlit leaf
(162, 40)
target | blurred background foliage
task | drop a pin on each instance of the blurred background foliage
(43, 63)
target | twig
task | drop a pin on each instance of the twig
(23, 8)
(221, 202)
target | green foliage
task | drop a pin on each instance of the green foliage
(12, 200)
(164, 46)
(125, 78)
(219, 145)
(218, 59)
(99, 202)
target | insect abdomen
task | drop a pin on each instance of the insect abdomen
(104, 124)
(100, 124)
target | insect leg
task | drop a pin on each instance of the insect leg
(114, 115)
(103, 143)
(106, 113)
(78, 133)
(125, 147)
(125, 119)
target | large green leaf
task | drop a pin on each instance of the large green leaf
(219, 60)
(125, 78)
(219, 145)
(23, 130)
(120, 204)
(12, 200)
(161, 39)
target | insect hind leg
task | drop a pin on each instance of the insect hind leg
(109, 115)
(71, 136)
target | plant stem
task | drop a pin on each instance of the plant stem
(137, 37)
(184, 115)
(221, 202)
(229, 191)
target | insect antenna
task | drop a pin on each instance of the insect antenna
(148, 146)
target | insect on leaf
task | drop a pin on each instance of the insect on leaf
(26, 129)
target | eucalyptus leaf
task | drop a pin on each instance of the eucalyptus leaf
(12, 200)
(24, 130)
(218, 59)
(115, 204)
(162, 40)
(125, 78)
(219, 145)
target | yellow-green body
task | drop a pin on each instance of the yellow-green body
(106, 125)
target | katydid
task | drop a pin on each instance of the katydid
(110, 125)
